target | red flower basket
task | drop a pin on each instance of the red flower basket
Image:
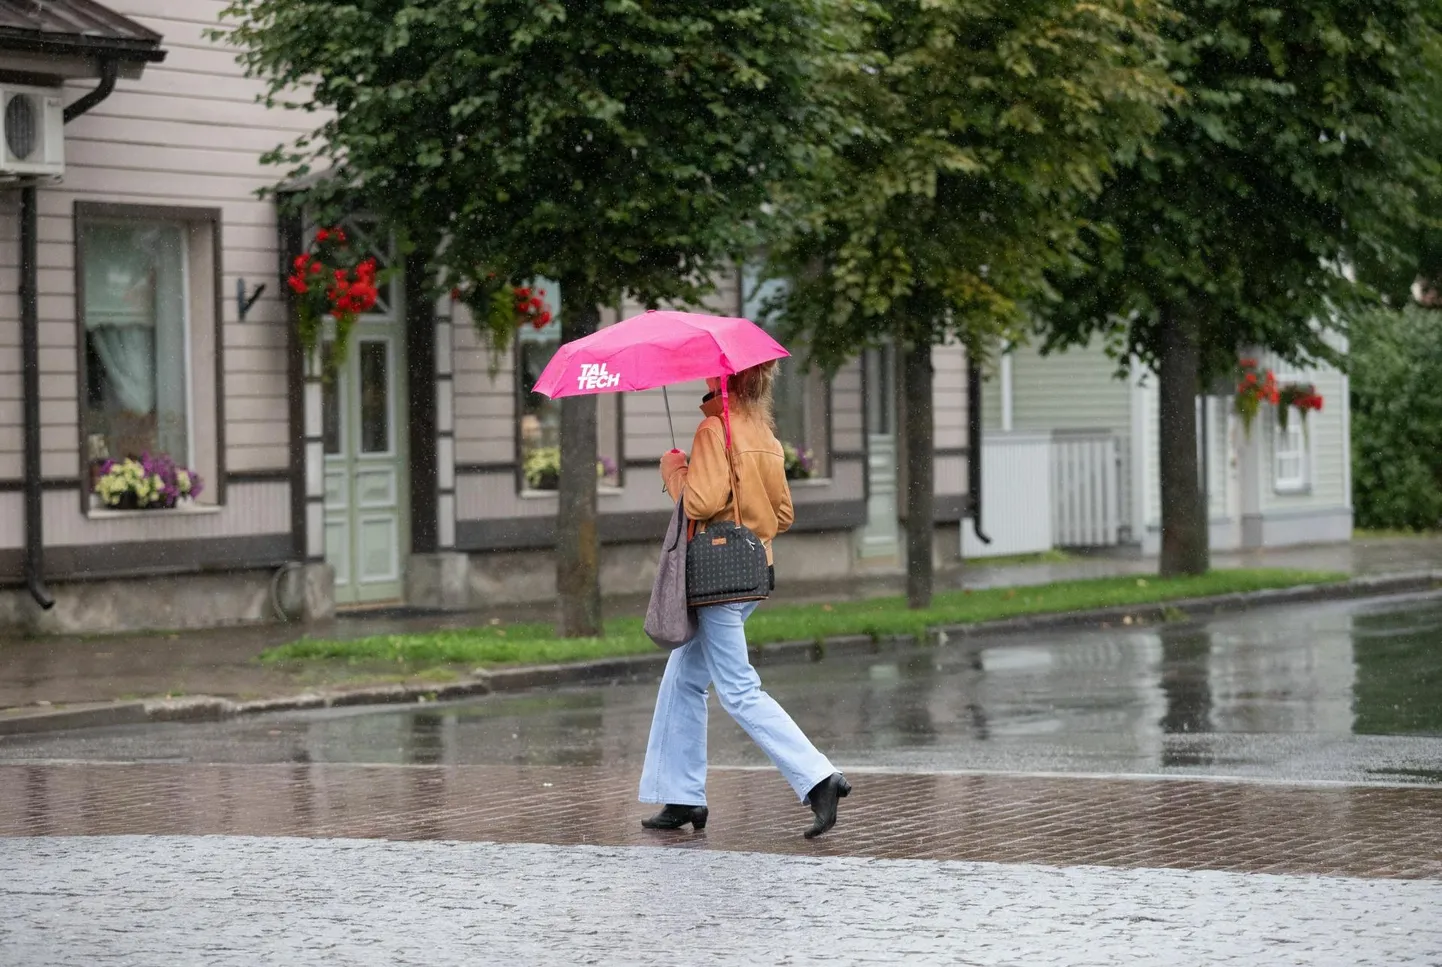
(330, 282)
(1303, 397)
(1255, 387)
(499, 309)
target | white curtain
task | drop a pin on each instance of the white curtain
(128, 354)
(135, 312)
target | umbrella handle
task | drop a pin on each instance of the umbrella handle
(667, 397)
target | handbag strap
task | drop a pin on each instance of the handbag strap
(730, 463)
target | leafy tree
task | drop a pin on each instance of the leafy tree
(1291, 156)
(620, 147)
(978, 129)
(1396, 358)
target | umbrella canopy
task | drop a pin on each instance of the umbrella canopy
(656, 349)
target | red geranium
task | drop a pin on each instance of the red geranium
(529, 307)
(328, 281)
(1257, 386)
(1300, 396)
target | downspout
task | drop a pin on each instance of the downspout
(30, 356)
(973, 445)
(30, 364)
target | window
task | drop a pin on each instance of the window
(1289, 452)
(135, 340)
(800, 396)
(147, 307)
(540, 418)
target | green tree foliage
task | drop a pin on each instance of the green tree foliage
(1397, 419)
(1292, 154)
(620, 147)
(978, 128)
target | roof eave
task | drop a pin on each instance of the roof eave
(34, 42)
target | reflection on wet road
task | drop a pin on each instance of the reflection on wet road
(1341, 692)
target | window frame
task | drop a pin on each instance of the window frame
(818, 386)
(193, 219)
(518, 408)
(1302, 483)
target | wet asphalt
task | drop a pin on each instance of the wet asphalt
(1339, 692)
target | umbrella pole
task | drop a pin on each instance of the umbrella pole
(666, 396)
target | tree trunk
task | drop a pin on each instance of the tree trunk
(578, 544)
(918, 425)
(1184, 518)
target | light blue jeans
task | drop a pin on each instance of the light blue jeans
(675, 770)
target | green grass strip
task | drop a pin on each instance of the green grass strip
(879, 617)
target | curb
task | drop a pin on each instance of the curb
(203, 708)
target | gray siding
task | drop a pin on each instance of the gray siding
(189, 134)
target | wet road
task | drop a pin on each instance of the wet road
(1345, 692)
(1259, 788)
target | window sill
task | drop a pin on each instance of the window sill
(603, 491)
(1292, 490)
(183, 510)
(811, 482)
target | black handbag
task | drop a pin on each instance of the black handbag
(726, 562)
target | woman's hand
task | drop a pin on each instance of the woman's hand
(671, 462)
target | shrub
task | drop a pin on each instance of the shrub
(1397, 419)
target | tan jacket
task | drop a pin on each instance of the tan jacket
(760, 468)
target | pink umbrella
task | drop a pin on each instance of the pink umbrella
(656, 349)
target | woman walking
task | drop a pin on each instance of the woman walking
(675, 770)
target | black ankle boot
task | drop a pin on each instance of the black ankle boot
(674, 817)
(823, 798)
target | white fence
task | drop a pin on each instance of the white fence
(1086, 498)
(1047, 489)
(1015, 496)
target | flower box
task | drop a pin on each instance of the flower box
(153, 482)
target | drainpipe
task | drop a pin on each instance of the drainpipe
(109, 71)
(30, 356)
(973, 444)
(30, 364)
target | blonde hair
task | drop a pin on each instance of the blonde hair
(751, 391)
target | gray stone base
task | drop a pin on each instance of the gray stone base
(1222, 535)
(174, 602)
(1277, 528)
(438, 581)
(1290, 528)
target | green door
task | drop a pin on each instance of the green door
(367, 509)
(880, 538)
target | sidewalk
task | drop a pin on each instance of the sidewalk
(78, 671)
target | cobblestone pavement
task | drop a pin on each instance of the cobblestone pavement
(1380, 832)
(242, 902)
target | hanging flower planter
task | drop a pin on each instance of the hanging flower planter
(1257, 386)
(150, 483)
(1303, 397)
(499, 309)
(330, 282)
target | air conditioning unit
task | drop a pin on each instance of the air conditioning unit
(32, 132)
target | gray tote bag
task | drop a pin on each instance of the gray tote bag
(669, 622)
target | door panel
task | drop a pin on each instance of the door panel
(366, 503)
(880, 538)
